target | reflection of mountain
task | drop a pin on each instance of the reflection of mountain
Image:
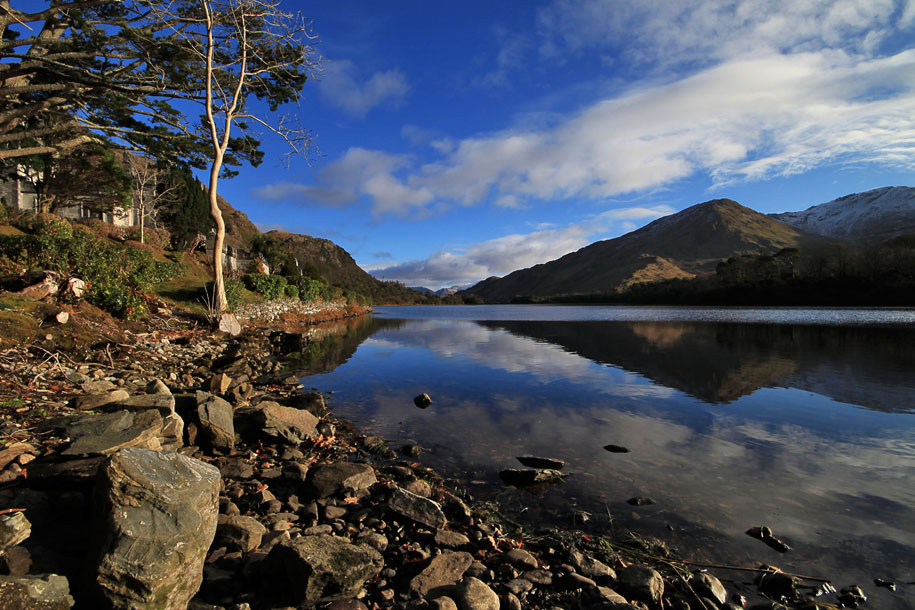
(332, 344)
(719, 363)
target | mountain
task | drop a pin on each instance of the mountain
(867, 218)
(682, 245)
(336, 265)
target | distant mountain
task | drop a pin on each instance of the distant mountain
(682, 245)
(441, 292)
(868, 218)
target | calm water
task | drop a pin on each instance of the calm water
(799, 419)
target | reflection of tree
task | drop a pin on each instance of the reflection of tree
(333, 343)
(719, 363)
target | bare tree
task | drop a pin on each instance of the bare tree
(246, 58)
(151, 190)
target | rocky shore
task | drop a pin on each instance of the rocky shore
(187, 469)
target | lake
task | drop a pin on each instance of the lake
(802, 420)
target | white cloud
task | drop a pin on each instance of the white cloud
(511, 252)
(747, 119)
(659, 33)
(343, 87)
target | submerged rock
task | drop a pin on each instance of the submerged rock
(523, 477)
(532, 461)
(616, 449)
(422, 401)
(765, 534)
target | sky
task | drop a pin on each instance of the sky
(462, 140)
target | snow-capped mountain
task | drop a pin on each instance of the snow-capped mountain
(869, 217)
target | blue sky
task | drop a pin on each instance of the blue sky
(466, 139)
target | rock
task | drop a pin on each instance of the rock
(322, 568)
(418, 487)
(35, 592)
(776, 583)
(609, 595)
(97, 401)
(313, 402)
(17, 561)
(285, 423)
(217, 429)
(62, 317)
(640, 501)
(765, 534)
(229, 324)
(520, 559)
(521, 477)
(156, 518)
(326, 480)
(616, 449)
(219, 383)
(543, 578)
(511, 602)
(707, 585)
(444, 570)
(422, 401)
(104, 434)
(419, 509)
(14, 529)
(75, 287)
(590, 567)
(11, 452)
(49, 285)
(347, 604)
(240, 532)
(450, 539)
(642, 583)
(852, 597)
(164, 403)
(157, 386)
(474, 594)
(68, 473)
(519, 586)
(532, 461)
(412, 450)
(443, 603)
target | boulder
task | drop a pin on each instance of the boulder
(217, 428)
(326, 480)
(419, 509)
(322, 568)
(219, 383)
(240, 532)
(642, 583)
(229, 324)
(155, 519)
(444, 570)
(35, 592)
(106, 433)
(157, 386)
(474, 594)
(285, 423)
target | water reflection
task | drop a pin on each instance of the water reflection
(807, 429)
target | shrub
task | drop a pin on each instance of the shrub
(233, 288)
(115, 273)
(291, 291)
(4, 212)
(271, 287)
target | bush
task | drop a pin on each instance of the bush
(115, 273)
(271, 287)
(291, 291)
(4, 212)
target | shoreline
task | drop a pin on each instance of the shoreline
(435, 550)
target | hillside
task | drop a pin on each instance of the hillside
(682, 245)
(868, 218)
(330, 260)
(336, 265)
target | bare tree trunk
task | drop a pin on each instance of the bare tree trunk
(219, 286)
(142, 236)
